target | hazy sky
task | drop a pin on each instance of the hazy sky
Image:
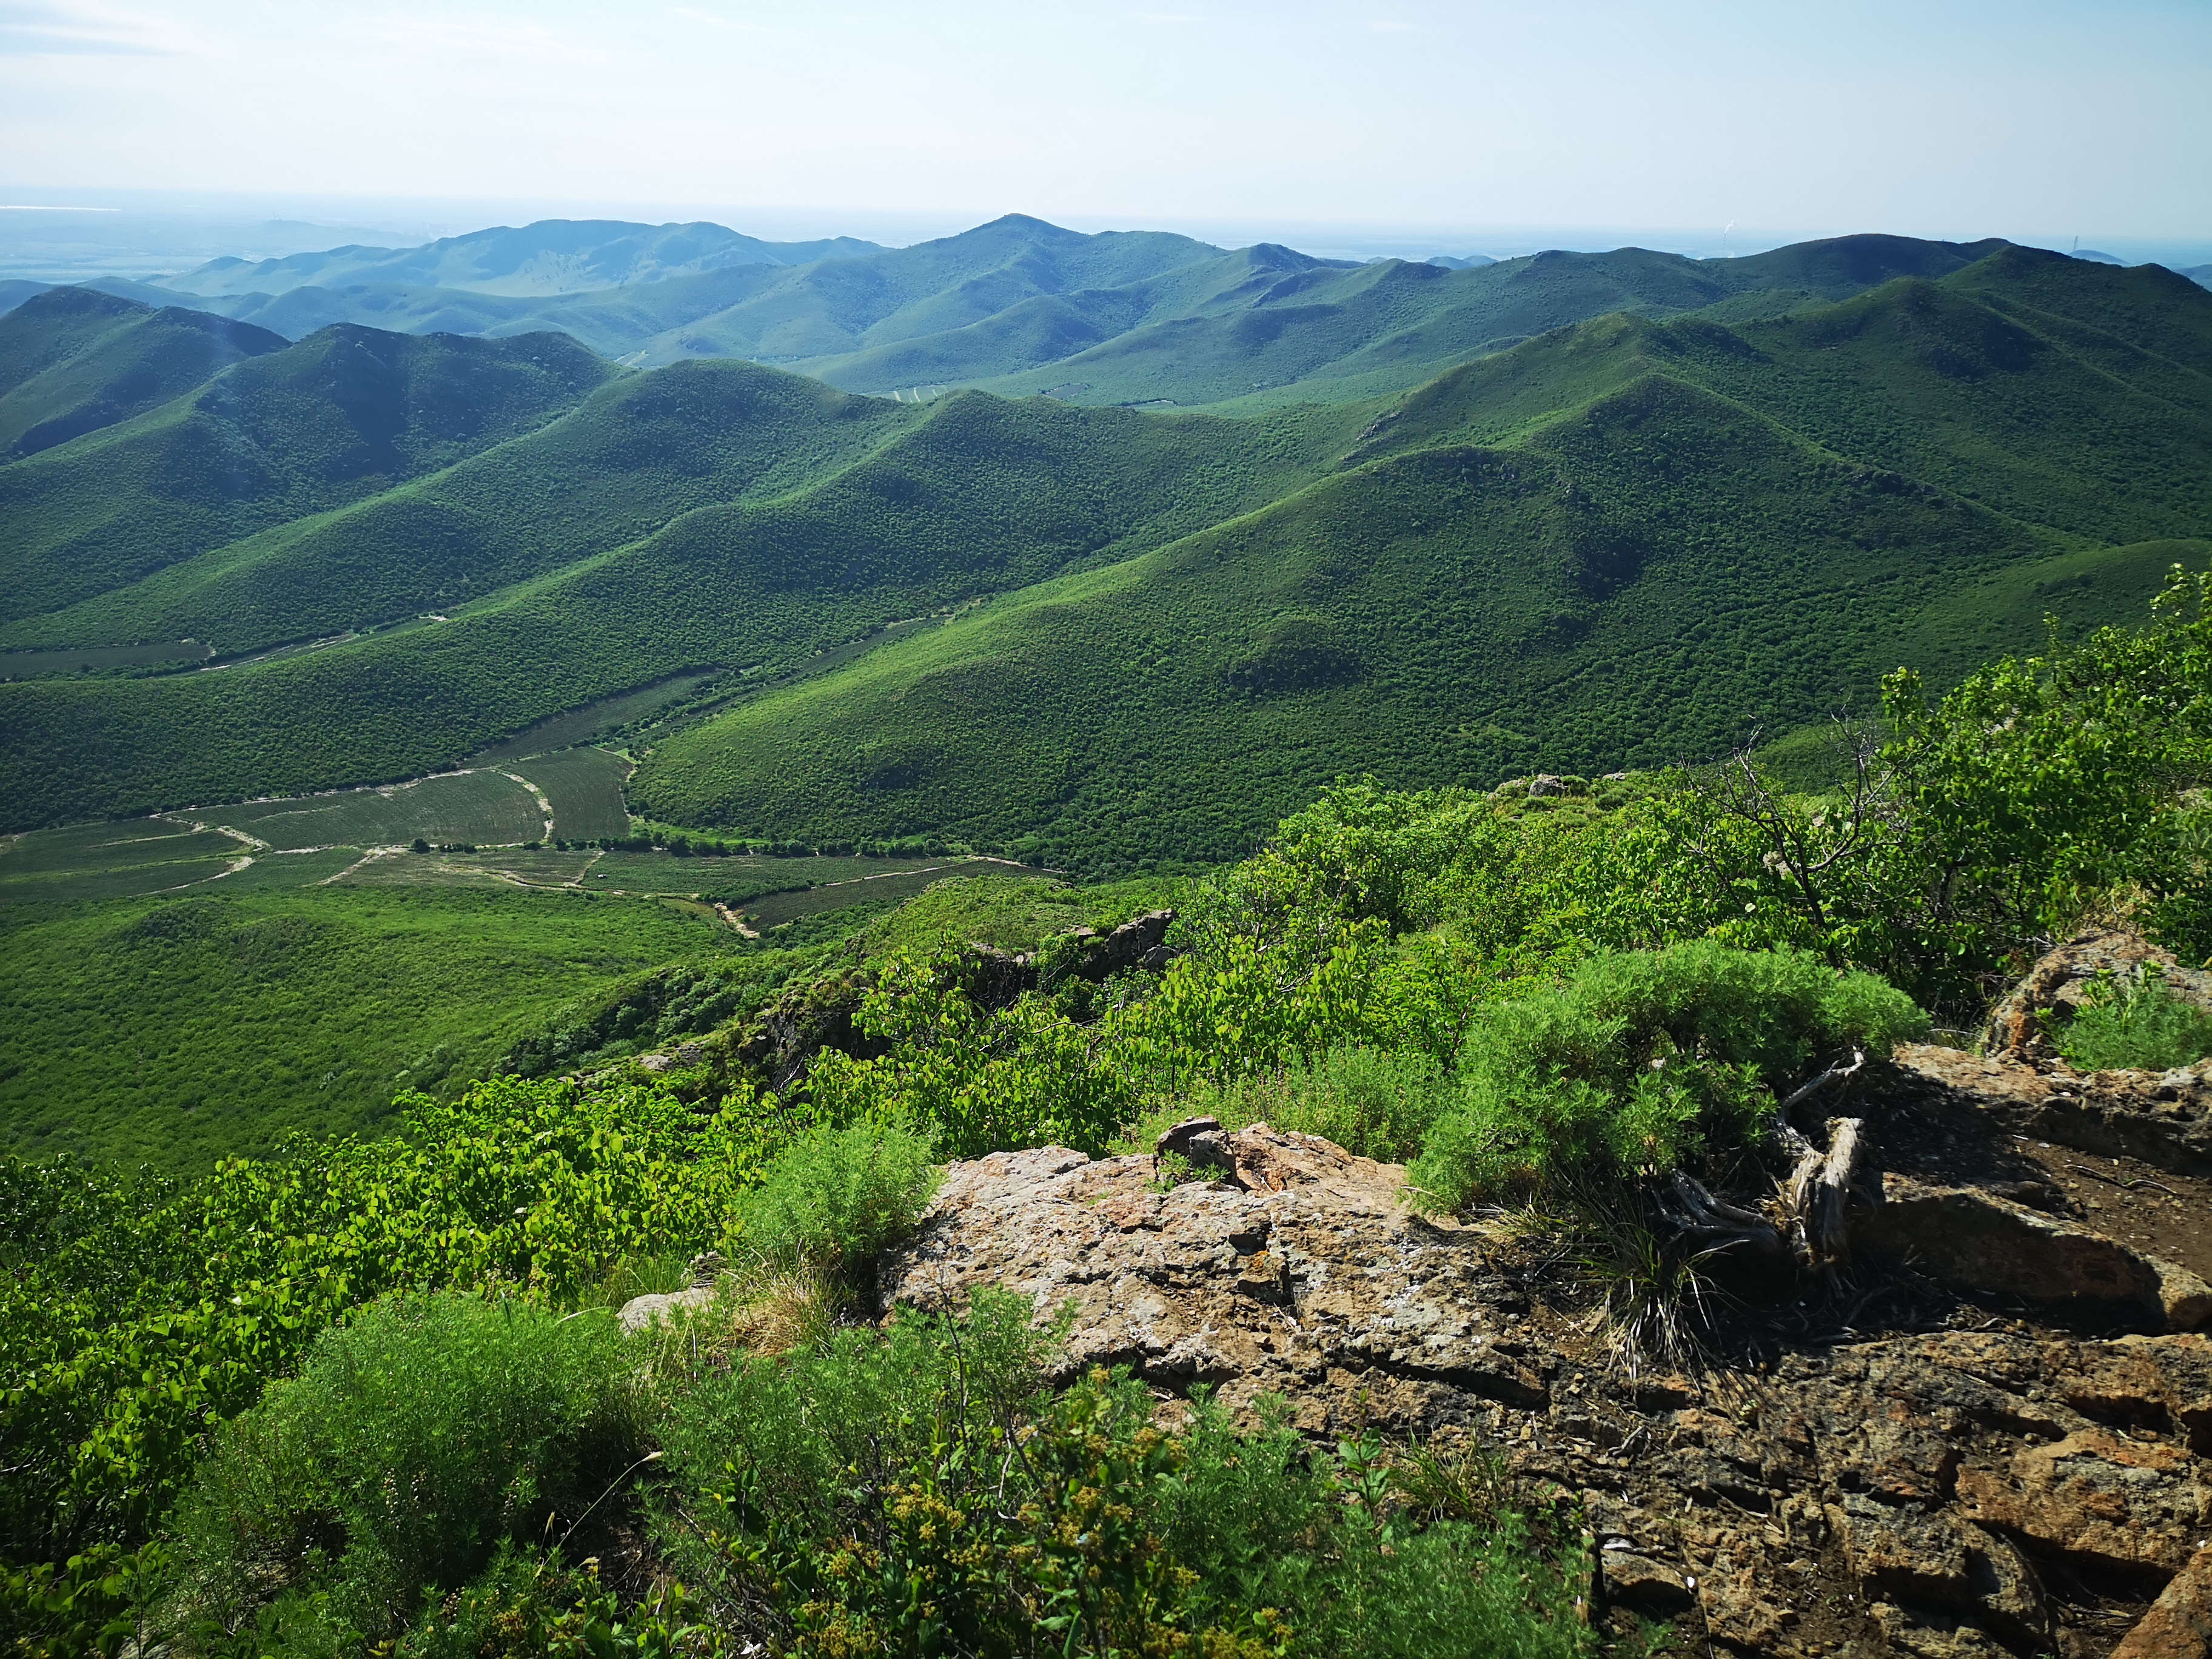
(1953, 118)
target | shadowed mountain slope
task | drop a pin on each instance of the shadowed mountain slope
(72, 362)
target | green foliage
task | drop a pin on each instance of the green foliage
(834, 1197)
(973, 1079)
(530, 1605)
(179, 1030)
(138, 1313)
(1643, 1062)
(986, 1518)
(2135, 1023)
(1377, 1102)
(2042, 783)
(415, 1440)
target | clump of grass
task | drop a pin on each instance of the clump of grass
(2135, 1023)
(1654, 1299)
(1377, 1102)
(836, 1198)
(413, 1444)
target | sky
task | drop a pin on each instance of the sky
(1944, 117)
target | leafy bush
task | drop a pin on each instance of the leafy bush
(914, 1492)
(835, 1197)
(1642, 1061)
(135, 1313)
(2135, 1023)
(413, 1442)
(528, 1604)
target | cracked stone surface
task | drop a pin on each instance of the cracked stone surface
(1943, 1493)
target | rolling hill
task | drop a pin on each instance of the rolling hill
(1125, 637)
(344, 414)
(1019, 306)
(72, 362)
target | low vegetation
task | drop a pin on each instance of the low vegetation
(369, 1391)
(2135, 1023)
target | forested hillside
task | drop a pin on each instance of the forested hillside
(1618, 543)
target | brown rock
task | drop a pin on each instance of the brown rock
(1974, 1241)
(1901, 1492)
(2179, 1622)
(2186, 1297)
(2021, 1025)
(2098, 1498)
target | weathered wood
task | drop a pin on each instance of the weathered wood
(1697, 1213)
(1820, 1188)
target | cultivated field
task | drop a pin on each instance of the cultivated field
(584, 785)
(480, 808)
(30, 665)
(111, 861)
(582, 725)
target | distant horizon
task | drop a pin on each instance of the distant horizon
(143, 234)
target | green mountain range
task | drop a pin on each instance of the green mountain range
(1692, 499)
(1019, 306)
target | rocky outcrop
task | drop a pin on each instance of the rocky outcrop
(1982, 1241)
(2180, 1624)
(2021, 1026)
(1978, 1485)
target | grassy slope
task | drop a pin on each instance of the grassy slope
(1612, 546)
(339, 416)
(979, 496)
(174, 1031)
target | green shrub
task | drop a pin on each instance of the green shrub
(836, 1197)
(528, 1604)
(412, 1443)
(914, 1492)
(1377, 1102)
(1643, 1061)
(2135, 1024)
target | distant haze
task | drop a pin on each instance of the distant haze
(1955, 118)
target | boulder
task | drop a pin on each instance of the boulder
(1642, 1585)
(642, 1312)
(1977, 1242)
